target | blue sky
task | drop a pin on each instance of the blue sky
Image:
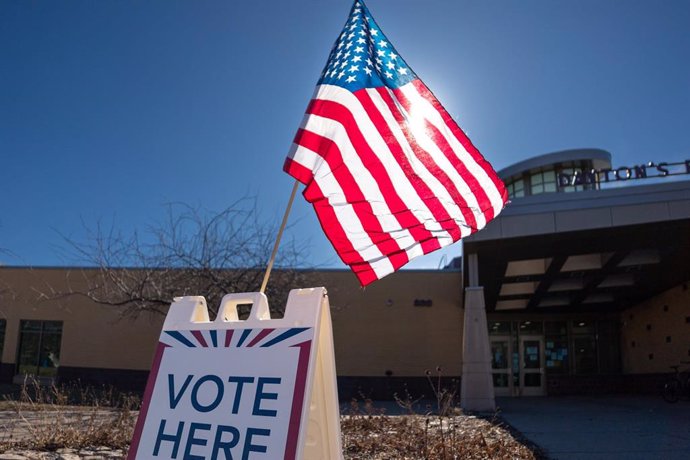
(110, 109)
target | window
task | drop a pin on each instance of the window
(584, 346)
(585, 354)
(39, 347)
(556, 347)
(531, 327)
(543, 182)
(608, 337)
(570, 347)
(499, 328)
(516, 188)
(550, 181)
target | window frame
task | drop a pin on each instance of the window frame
(42, 333)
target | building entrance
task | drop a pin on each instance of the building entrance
(526, 352)
(501, 365)
(532, 366)
(518, 365)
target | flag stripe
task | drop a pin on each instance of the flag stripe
(300, 169)
(323, 107)
(498, 193)
(439, 181)
(340, 224)
(328, 218)
(454, 183)
(428, 237)
(370, 171)
(468, 183)
(362, 169)
(352, 190)
(403, 224)
(425, 186)
(396, 170)
(335, 233)
(381, 149)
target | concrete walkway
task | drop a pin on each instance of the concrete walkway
(596, 428)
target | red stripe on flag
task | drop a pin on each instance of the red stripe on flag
(462, 138)
(432, 167)
(296, 170)
(336, 235)
(364, 273)
(330, 152)
(371, 161)
(339, 113)
(478, 191)
(427, 240)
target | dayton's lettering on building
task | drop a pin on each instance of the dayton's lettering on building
(623, 173)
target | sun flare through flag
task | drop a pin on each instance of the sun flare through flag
(390, 174)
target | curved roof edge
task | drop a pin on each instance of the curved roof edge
(555, 157)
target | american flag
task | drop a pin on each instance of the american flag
(390, 174)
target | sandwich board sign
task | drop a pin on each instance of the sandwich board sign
(251, 389)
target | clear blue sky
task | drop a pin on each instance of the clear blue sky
(109, 109)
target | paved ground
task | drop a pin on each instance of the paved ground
(598, 428)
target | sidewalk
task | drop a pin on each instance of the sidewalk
(614, 427)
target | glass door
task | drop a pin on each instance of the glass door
(500, 365)
(532, 366)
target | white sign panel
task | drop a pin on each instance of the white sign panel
(232, 389)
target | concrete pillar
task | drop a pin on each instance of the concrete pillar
(473, 269)
(477, 388)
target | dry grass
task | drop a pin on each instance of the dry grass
(52, 417)
(453, 435)
(48, 419)
(444, 432)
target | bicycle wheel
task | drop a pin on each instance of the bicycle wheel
(671, 391)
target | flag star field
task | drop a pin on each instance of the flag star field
(362, 57)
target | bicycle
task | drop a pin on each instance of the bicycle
(677, 385)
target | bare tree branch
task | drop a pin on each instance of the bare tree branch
(190, 252)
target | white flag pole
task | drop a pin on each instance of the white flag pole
(280, 234)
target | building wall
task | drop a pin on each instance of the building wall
(378, 331)
(383, 341)
(384, 344)
(656, 333)
(93, 335)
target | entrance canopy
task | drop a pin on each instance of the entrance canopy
(589, 251)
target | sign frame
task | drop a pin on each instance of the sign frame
(300, 345)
